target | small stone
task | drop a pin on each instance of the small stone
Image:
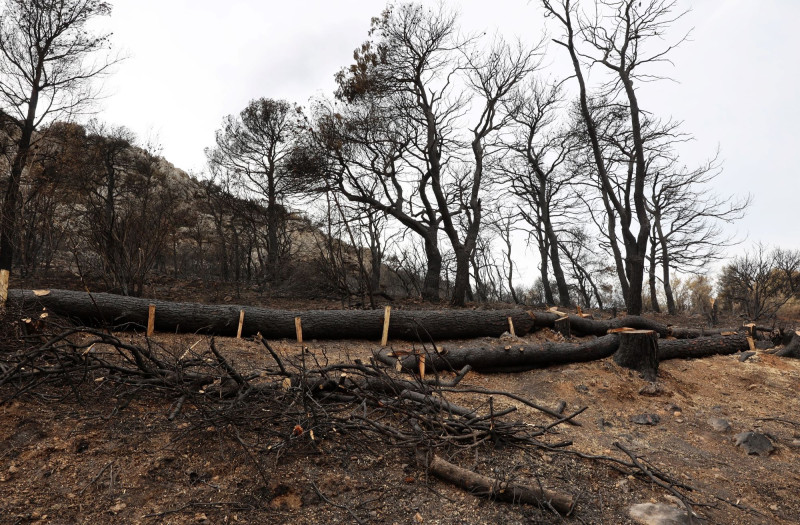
(12, 469)
(418, 517)
(754, 443)
(651, 388)
(646, 419)
(774, 508)
(658, 514)
(719, 424)
(118, 507)
(796, 443)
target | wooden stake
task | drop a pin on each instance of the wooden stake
(751, 343)
(241, 324)
(511, 327)
(4, 274)
(422, 366)
(387, 313)
(298, 327)
(151, 320)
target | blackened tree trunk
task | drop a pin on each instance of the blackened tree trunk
(117, 311)
(652, 277)
(433, 272)
(543, 255)
(638, 350)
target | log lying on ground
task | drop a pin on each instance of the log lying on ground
(101, 309)
(516, 358)
(702, 346)
(513, 358)
(487, 487)
(792, 347)
(585, 326)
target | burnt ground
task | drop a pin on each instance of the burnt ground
(101, 454)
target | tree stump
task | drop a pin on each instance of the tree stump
(562, 326)
(638, 350)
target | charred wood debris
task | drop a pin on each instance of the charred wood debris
(400, 400)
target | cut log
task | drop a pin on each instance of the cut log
(516, 358)
(487, 487)
(702, 346)
(792, 348)
(638, 350)
(490, 358)
(585, 326)
(101, 309)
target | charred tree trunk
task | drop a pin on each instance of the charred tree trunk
(638, 350)
(430, 288)
(702, 346)
(510, 358)
(488, 358)
(791, 348)
(562, 326)
(421, 325)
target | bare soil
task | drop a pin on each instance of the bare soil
(106, 456)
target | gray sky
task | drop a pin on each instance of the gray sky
(191, 62)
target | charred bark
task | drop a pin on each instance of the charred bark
(493, 358)
(702, 346)
(791, 348)
(638, 350)
(101, 309)
(509, 358)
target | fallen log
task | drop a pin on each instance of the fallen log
(702, 346)
(580, 325)
(487, 487)
(108, 310)
(792, 347)
(491, 358)
(509, 358)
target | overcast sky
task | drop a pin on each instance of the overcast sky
(191, 62)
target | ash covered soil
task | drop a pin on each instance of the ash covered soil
(98, 453)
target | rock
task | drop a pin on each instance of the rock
(744, 356)
(418, 517)
(796, 443)
(602, 423)
(646, 419)
(118, 507)
(658, 514)
(719, 424)
(754, 443)
(651, 388)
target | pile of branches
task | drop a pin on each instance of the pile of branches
(301, 399)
